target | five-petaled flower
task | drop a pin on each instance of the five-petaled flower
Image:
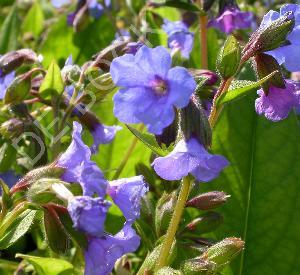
(150, 88)
(189, 157)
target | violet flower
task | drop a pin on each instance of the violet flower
(232, 18)
(5, 81)
(287, 55)
(279, 102)
(9, 178)
(150, 88)
(179, 37)
(189, 157)
(102, 253)
(88, 214)
(126, 194)
(79, 168)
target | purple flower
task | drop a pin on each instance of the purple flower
(179, 37)
(88, 214)
(79, 167)
(102, 253)
(5, 81)
(189, 157)
(103, 134)
(232, 18)
(278, 103)
(133, 47)
(96, 9)
(127, 194)
(150, 88)
(289, 54)
(122, 35)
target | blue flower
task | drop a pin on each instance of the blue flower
(103, 134)
(179, 37)
(60, 3)
(277, 104)
(102, 253)
(79, 168)
(232, 18)
(287, 55)
(5, 81)
(127, 194)
(9, 178)
(88, 214)
(189, 157)
(150, 88)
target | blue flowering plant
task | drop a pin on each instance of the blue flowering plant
(116, 133)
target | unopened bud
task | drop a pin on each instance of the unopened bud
(197, 266)
(12, 128)
(204, 77)
(229, 58)
(208, 222)
(265, 65)
(70, 73)
(168, 135)
(209, 200)
(223, 252)
(13, 60)
(50, 171)
(194, 122)
(269, 37)
(18, 89)
(163, 212)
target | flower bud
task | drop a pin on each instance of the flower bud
(50, 171)
(229, 58)
(197, 266)
(209, 200)
(168, 135)
(269, 37)
(13, 60)
(223, 252)
(265, 65)
(12, 128)
(56, 234)
(70, 73)
(18, 89)
(209, 78)
(208, 222)
(163, 212)
(194, 122)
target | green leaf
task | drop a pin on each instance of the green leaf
(263, 181)
(34, 19)
(148, 140)
(240, 89)
(52, 82)
(18, 228)
(48, 266)
(9, 32)
(229, 58)
(7, 156)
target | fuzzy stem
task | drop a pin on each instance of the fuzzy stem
(203, 40)
(127, 155)
(173, 226)
(214, 112)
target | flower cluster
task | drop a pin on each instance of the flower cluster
(150, 88)
(5, 81)
(88, 212)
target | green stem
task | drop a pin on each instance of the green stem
(173, 226)
(127, 155)
(56, 143)
(203, 40)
